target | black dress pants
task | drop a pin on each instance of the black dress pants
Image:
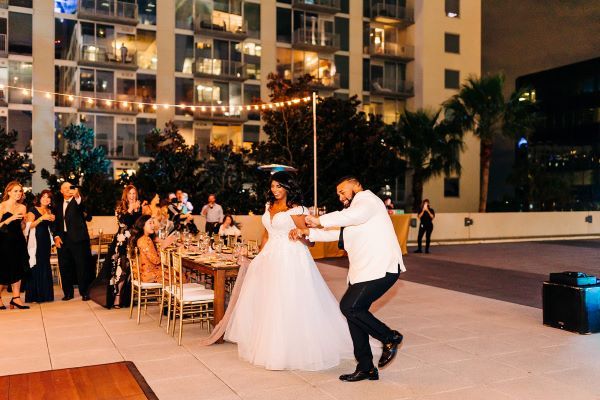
(355, 306)
(424, 229)
(75, 264)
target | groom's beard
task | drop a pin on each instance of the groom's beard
(349, 201)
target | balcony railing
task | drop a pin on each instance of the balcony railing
(109, 10)
(324, 6)
(124, 149)
(392, 50)
(208, 67)
(105, 102)
(326, 82)
(204, 111)
(3, 3)
(309, 39)
(392, 14)
(228, 27)
(114, 58)
(392, 88)
(3, 45)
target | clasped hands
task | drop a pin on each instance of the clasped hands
(299, 233)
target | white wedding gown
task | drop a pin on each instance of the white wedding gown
(286, 317)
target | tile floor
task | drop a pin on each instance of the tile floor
(457, 346)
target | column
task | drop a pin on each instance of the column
(165, 69)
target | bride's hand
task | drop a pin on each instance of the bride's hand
(297, 234)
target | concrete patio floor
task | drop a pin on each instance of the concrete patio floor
(457, 346)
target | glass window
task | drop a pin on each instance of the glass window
(251, 133)
(252, 18)
(184, 95)
(3, 81)
(342, 28)
(184, 14)
(63, 34)
(144, 127)
(61, 121)
(452, 8)
(126, 145)
(21, 3)
(342, 65)
(20, 38)
(64, 82)
(125, 89)
(105, 84)
(366, 74)
(87, 81)
(252, 52)
(451, 43)
(105, 131)
(146, 91)
(345, 6)
(147, 12)
(252, 96)
(367, 8)
(284, 62)
(184, 53)
(451, 79)
(451, 187)
(147, 57)
(20, 121)
(284, 25)
(366, 37)
(19, 75)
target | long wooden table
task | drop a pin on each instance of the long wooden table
(219, 274)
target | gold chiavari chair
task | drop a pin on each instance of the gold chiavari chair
(189, 306)
(142, 292)
(103, 242)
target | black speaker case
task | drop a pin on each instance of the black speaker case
(572, 308)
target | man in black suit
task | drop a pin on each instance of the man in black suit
(73, 242)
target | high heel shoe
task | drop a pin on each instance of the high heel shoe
(19, 306)
(2, 307)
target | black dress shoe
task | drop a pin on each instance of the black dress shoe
(372, 375)
(417, 251)
(67, 298)
(85, 297)
(390, 349)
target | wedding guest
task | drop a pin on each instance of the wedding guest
(13, 247)
(229, 227)
(40, 286)
(426, 217)
(213, 213)
(110, 289)
(143, 237)
(154, 209)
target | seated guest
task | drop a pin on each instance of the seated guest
(229, 227)
(143, 239)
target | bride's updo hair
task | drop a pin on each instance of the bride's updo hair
(287, 181)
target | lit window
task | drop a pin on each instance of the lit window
(453, 8)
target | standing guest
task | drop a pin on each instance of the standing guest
(213, 213)
(229, 227)
(40, 287)
(110, 288)
(143, 236)
(73, 242)
(426, 217)
(13, 247)
(389, 205)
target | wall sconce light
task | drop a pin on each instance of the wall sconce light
(468, 221)
(588, 219)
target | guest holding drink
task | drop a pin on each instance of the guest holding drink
(40, 287)
(13, 247)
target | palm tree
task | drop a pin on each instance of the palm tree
(480, 107)
(430, 148)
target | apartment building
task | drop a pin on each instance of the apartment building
(128, 58)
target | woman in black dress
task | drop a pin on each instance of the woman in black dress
(40, 287)
(426, 217)
(13, 247)
(111, 287)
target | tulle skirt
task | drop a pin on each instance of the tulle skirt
(286, 317)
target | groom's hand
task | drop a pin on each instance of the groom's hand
(312, 221)
(297, 234)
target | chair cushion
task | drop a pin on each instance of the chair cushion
(199, 295)
(148, 285)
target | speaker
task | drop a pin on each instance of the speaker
(572, 308)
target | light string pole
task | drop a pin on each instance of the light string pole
(314, 113)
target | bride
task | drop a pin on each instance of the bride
(286, 317)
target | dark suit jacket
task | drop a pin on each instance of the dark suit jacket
(75, 218)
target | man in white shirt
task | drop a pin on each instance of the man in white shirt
(364, 229)
(214, 215)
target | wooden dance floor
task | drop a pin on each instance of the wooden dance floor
(119, 380)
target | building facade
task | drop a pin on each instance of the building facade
(133, 56)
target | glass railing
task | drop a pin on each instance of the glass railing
(232, 24)
(393, 50)
(109, 8)
(225, 112)
(107, 102)
(3, 45)
(394, 11)
(392, 87)
(100, 54)
(316, 38)
(119, 148)
(332, 81)
(3, 3)
(211, 66)
(333, 4)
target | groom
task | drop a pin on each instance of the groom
(364, 229)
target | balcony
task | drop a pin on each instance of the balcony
(114, 11)
(224, 69)
(3, 45)
(100, 56)
(326, 82)
(227, 27)
(392, 51)
(321, 6)
(313, 40)
(391, 88)
(123, 105)
(119, 149)
(392, 14)
(223, 114)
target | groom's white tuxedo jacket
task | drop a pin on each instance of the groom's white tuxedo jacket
(369, 237)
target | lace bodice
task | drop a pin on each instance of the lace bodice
(280, 225)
